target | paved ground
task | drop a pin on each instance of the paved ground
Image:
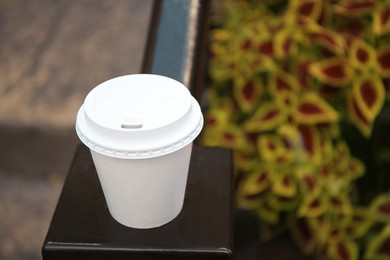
(51, 54)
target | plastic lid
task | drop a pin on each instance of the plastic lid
(139, 116)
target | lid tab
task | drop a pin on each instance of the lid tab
(131, 123)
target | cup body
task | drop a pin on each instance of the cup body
(140, 129)
(144, 193)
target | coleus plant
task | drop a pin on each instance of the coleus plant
(284, 76)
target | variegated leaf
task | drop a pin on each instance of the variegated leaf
(384, 61)
(247, 93)
(281, 203)
(379, 245)
(355, 168)
(343, 250)
(272, 148)
(303, 234)
(354, 8)
(284, 185)
(340, 156)
(233, 137)
(369, 95)
(380, 208)
(253, 189)
(360, 221)
(330, 40)
(308, 181)
(340, 204)
(310, 142)
(244, 161)
(362, 55)
(284, 44)
(357, 117)
(312, 109)
(351, 29)
(332, 71)
(282, 82)
(268, 214)
(302, 74)
(308, 8)
(268, 116)
(267, 48)
(381, 20)
(312, 206)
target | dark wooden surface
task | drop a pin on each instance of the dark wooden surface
(177, 42)
(82, 227)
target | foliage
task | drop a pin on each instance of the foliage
(286, 77)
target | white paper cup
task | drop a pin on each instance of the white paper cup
(140, 130)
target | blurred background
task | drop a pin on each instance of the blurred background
(52, 53)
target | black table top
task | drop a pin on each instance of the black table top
(83, 227)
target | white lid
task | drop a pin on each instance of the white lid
(139, 116)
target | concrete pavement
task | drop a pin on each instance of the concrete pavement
(51, 54)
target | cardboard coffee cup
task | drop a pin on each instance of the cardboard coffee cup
(140, 130)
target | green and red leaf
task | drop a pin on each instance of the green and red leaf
(361, 221)
(310, 141)
(308, 8)
(369, 96)
(284, 185)
(381, 20)
(355, 168)
(268, 116)
(380, 208)
(233, 137)
(268, 214)
(267, 48)
(247, 93)
(362, 55)
(303, 234)
(260, 179)
(284, 44)
(219, 116)
(281, 83)
(333, 71)
(330, 40)
(216, 120)
(354, 8)
(357, 117)
(272, 148)
(351, 28)
(262, 63)
(312, 206)
(340, 204)
(340, 156)
(244, 161)
(379, 245)
(384, 61)
(281, 203)
(343, 250)
(252, 190)
(302, 73)
(312, 109)
(308, 181)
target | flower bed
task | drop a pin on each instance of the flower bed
(298, 91)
